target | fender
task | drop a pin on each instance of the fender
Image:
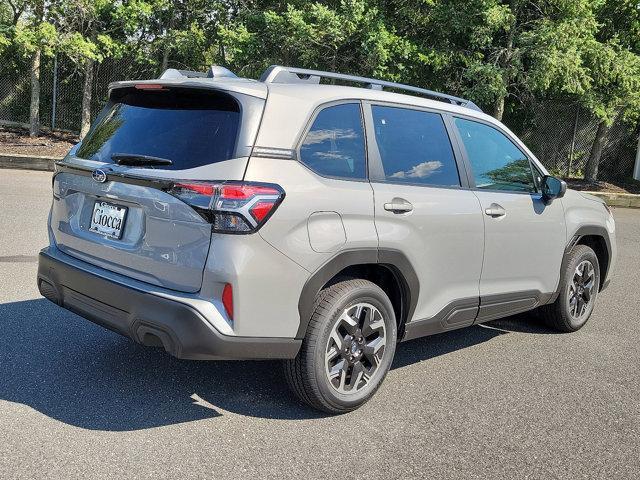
(583, 231)
(394, 260)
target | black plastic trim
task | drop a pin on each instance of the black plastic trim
(502, 305)
(583, 231)
(598, 231)
(469, 311)
(457, 314)
(149, 319)
(158, 183)
(395, 260)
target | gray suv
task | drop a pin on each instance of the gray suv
(220, 217)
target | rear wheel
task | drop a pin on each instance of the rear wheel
(579, 284)
(348, 348)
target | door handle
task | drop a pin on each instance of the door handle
(495, 210)
(398, 205)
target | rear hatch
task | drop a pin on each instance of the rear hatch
(112, 207)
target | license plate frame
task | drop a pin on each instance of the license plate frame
(108, 219)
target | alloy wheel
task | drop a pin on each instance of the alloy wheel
(581, 289)
(355, 348)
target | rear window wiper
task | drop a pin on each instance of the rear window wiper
(139, 160)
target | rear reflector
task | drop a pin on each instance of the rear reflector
(48, 291)
(260, 210)
(231, 207)
(227, 299)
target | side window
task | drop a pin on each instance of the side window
(334, 146)
(414, 147)
(496, 162)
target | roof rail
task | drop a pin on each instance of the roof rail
(280, 74)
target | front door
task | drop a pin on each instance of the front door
(524, 237)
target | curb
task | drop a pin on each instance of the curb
(628, 200)
(28, 162)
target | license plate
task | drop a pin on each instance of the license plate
(108, 219)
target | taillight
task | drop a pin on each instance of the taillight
(231, 207)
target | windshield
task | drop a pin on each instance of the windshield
(189, 127)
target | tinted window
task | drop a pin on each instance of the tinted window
(496, 162)
(190, 128)
(414, 147)
(335, 144)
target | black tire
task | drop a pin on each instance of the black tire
(561, 315)
(308, 374)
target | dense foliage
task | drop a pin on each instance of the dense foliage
(500, 53)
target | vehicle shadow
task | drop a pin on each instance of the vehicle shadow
(83, 375)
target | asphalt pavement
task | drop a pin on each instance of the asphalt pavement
(510, 399)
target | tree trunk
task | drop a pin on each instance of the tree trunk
(591, 170)
(167, 45)
(504, 61)
(34, 107)
(85, 122)
(165, 59)
(498, 109)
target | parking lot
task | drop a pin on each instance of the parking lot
(509, 399)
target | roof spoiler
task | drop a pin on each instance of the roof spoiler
(214, 71)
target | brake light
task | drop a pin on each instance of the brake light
(245, 191)
(227, 299)
(201, 189)
(149, 86)
(232, 207)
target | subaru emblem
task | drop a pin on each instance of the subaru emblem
(99, 176)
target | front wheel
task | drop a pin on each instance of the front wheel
(348, 348)
(579, 285)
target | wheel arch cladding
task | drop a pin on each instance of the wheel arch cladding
(597, 238)
(389, 269)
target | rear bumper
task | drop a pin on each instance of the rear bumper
(146, 318)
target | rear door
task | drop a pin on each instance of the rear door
(524, 238)
(119, 216)
(423, 210)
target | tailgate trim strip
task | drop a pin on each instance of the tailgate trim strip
(158, 183)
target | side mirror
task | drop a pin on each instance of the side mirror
(552, 188)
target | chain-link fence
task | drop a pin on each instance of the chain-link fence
(61, 84)
(561, 134)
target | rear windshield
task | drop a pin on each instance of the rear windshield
(189, 127)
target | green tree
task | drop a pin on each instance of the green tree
(495, 51)
(187, 30)
(175, 33)
(614, 65)
(85, 28)
(615, 91)
(621, 19)
(350, 36)
(32, 35)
